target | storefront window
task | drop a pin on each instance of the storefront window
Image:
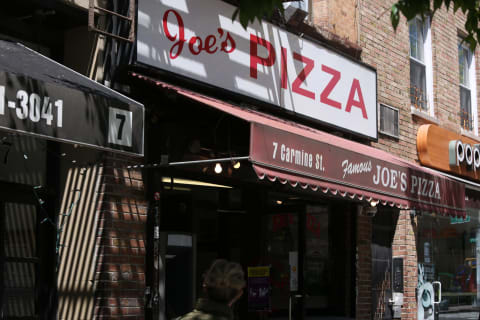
(316, 257)
(282, 251)
(447, 266)
(383, 230)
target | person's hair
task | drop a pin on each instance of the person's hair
(223, 280)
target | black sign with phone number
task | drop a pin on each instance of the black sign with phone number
(71, 113)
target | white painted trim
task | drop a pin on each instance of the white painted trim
(468, 133)
(420, 62)
(473, 91)
(423, 115)
(427, 52)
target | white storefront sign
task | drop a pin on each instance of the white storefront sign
(199, 40)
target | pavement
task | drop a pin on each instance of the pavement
(459, 316)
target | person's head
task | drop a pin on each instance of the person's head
(224, 281)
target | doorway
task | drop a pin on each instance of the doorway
(310, 249)
(305, 249)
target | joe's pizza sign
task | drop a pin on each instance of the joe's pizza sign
(199, 40)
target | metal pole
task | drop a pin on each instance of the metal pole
(183, 163)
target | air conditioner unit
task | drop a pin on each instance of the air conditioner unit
(295, 12)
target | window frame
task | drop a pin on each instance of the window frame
(470, 86)
(380, 104)
(427, 63)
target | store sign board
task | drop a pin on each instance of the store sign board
(70, 114)
(323, 161)
(263, 62)
(448, 151)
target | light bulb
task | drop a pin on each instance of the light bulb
(236, 165)
(218, 168)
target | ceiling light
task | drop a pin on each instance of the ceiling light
(169, 180)
(218, 168)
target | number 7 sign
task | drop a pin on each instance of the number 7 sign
(120, 127)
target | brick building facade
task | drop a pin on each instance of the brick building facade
(104, 259)
(367, 23)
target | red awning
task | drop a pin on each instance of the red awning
(289, 152)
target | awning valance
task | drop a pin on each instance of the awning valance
(43, 98)
(289, 152)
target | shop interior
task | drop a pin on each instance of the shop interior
(257, 227)
(448, 252)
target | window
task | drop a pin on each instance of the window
(467, 86)
(421, 85)
(389, 120)
(447, 252)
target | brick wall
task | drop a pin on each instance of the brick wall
(338, 17)
(388, 52)
(364, 267)
(404, 245)
(122, 214)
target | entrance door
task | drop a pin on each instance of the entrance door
(281, 252)
(310, 250)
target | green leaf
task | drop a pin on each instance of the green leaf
(394, 17)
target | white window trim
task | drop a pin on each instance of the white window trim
(429, 66)
(428, 63)
(472, 86)
(418, 61)
(473, 91)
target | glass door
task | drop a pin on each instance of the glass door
(316, 260)
(310, 251)
(280, 253)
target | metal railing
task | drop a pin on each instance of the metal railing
(94, 10)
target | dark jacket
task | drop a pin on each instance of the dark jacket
(206, 309)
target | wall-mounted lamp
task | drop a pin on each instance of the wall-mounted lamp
(367, 210)
(374, 203)
(236, 165)
(218, 168)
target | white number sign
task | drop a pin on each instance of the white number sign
(120, 127)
